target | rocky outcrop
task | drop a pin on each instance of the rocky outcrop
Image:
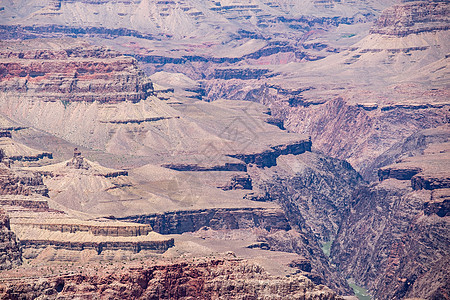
(413, 17)
(268, 158)
(21, 183)
(242, 74)
(220, 218)
(24, 201)
(239, 182)
(111, 229)
(398, 173)
(10, 251)
(70, 71)
(207, 279)
(430, 182)
(413, 145)
(439, 203)
(99, 247)
(200, 168)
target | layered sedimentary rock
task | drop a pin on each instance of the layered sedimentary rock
(207, 279)
(11, 252)
(21, 183)
(54, 71)
(383, 88)
(416, 17)
(18, 152)
(39, 226)
(216, 219)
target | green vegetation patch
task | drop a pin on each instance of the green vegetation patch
(345, 36)
(359, 291)
(326, 248)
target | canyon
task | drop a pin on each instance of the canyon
(217, 149)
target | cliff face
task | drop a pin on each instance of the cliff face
(412, 18)
(312, 189)
(208, 279)
(11, 253)
(364, 135)
(79, 72)
(394, 237)
(216, 219)
(390, 245)
(21, 183)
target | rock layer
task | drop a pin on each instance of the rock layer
(413, 17)
(55, 72)
(189, 221)
(208, 279)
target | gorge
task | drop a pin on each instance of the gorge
(213, 149)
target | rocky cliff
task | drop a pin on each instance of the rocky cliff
(394, 236)
(388, 244)
(11, 252)
(54, 71)
(313, 190)
(205, 279)
(413, 17)
(186, 221)
(21, 183)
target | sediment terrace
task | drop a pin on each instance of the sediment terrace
(37, 227)
(34, 238)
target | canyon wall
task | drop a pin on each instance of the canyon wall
(390, 245)
(394, 236)
(70, 71)
(216, 219)
(207, 279)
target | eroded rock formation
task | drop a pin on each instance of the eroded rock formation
(10, 250)
(58, 72)
(311, 188)
(186, 221)
(413, 17)
(207, 279)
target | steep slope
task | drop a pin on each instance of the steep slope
(394, 238)
(313, 190)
